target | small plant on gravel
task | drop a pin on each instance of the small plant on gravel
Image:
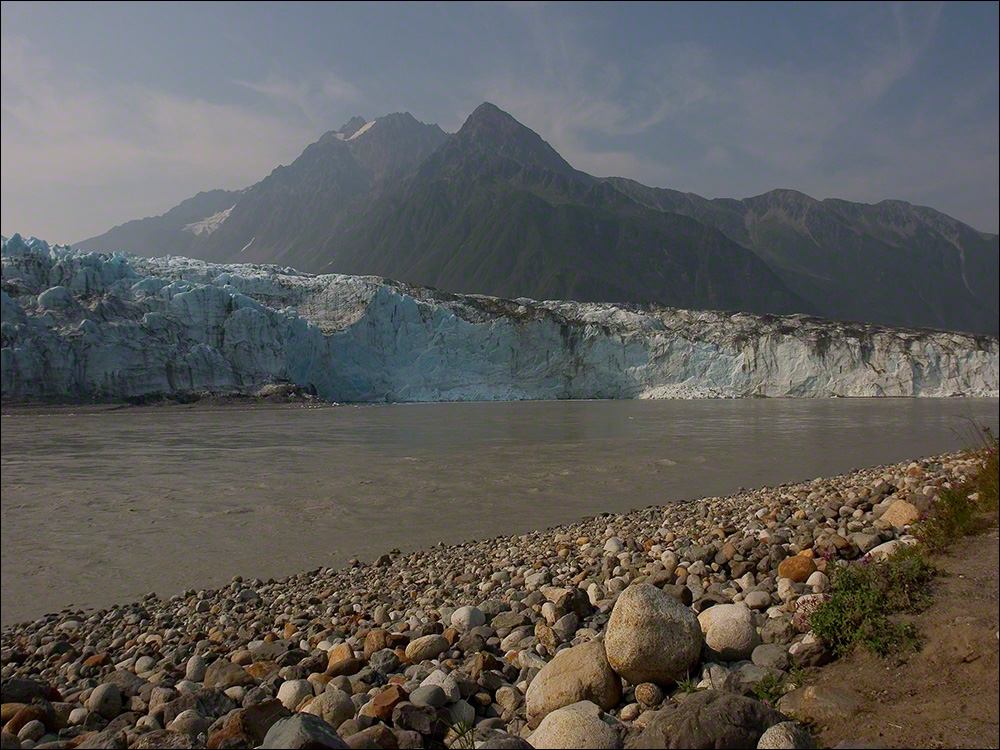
(958, 510)
(864, 596)
(688, 684)
(769, 689)
(463, 735)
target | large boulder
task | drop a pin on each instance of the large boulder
(300, 732)
(581, 673)
(651, 637)
(332, 706)
(575, 726)
(105, 700)
(708, 719)
(729, 632)
(820, 703)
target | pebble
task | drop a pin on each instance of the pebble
(493, 631)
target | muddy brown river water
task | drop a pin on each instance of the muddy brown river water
(102, 506)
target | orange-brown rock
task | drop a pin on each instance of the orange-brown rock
(797, 568)
(901, 513)
(289, 630)
(376, 640)
(483, 661)
(260, 670)
(8, 710)
(346, 667)
(339, 653)
(97, 660)
(23, 716)
(248, 724)
(380, 707)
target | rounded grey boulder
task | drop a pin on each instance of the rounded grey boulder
(302, 731)
(708, 719)
(105, 700)
(651, 637)
(333, 706)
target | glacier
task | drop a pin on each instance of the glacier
(89, 326)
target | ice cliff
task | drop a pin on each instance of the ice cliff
(82, 325)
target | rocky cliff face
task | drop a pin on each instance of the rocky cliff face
(79, 325)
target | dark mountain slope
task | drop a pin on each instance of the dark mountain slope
(891, 262)
(497, 211)
(165, 234)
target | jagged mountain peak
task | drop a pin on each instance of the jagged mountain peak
(352, 126)
(491, 129)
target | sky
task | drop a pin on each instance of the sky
(112, 111)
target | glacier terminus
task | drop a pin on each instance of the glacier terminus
(90, 326)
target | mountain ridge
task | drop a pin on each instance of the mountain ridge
(494, 209)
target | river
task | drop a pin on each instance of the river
(101, 506)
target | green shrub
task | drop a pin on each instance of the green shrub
(865, 595)
(863, 598)
(958, 510)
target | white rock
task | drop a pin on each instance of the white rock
(293, 692)
(464, 619)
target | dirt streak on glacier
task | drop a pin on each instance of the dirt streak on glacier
(83, 325)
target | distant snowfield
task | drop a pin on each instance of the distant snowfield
(208, 225)
(362, 130)
(83, 325)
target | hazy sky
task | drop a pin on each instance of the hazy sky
(118, 111)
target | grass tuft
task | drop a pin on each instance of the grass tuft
(688, 684)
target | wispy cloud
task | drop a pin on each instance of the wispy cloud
(781, 115)
(64, 131)
(315, 97)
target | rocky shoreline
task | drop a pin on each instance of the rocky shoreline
(592, 634)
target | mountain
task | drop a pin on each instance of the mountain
(494, 209)
(296, 207)
(497, 211)
(891, 262)
(176, 232)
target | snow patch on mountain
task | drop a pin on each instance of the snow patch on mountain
(363, 129)
(208, 225)
(79, 325)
